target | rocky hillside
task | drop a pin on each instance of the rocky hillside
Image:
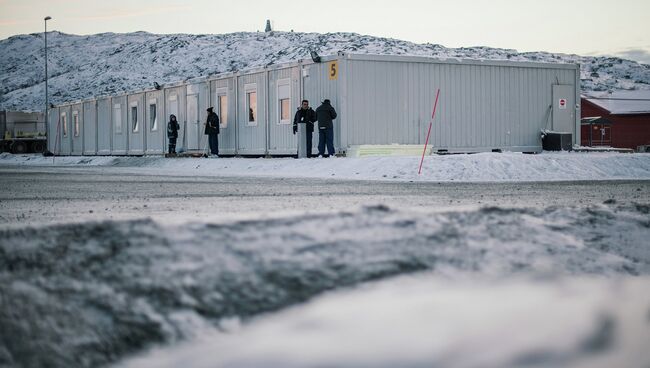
(108, 63)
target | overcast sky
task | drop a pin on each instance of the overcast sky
(585, 27)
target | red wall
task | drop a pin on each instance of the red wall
(628, 131)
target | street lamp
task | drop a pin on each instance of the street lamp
(47, 118)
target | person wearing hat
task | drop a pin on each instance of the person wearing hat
(325, 113)
(212, 130)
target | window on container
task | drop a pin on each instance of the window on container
(134, 119)
(75, 124)
(222, 102)
(284, 102)
(285, 111)
(153, 117)
(251, 105)
(64, 125)
(117, 118)
(172, 107)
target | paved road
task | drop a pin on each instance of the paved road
(52, 195)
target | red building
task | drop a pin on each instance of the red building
(618, 119)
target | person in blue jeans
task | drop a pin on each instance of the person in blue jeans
(325, 113)
(305, 115)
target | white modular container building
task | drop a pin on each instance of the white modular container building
(380, 100)
(224, 101)
(483, 105)
(52, 121)
(322, 81)
(284, 97)
(104, 126)
(64, 144)
(175, 105)
(135, 124)
(252, 110)
(76, 127)
(52, 112)
(198, 99)
(119, 125)
(155, 124)
(89, 127)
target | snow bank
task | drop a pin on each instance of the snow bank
(431, 322)
(84, 295)
(482, 167)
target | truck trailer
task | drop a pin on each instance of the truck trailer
(22, 132)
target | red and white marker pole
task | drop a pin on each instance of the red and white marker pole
(426, 142)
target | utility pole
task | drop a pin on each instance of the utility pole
(47, 118)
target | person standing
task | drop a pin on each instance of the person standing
(325, 113)
(172, 133)
(305, 115)
(212, 130)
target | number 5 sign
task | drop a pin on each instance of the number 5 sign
(333, 70)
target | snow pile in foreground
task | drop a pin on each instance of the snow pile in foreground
(427, 321)
(482, 167)
(85, 295)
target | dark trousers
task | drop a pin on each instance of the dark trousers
(172, 145)
(326, 137)
(309, 141)
(214, 143)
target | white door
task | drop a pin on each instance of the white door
(172, 109)
(193, 122)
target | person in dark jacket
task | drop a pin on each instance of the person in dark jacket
(305, 115)
(172, 133)
(212, 130)
(325, 113)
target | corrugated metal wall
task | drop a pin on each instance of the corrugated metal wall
(155, 125)
(120, 141)
(175, 104)
(481, 107)
(251, 136)
(76, 129)
(228, 116)
(196, 115)
(318, 86)
(90, 128)
(283, 83)
(135, 123)
(204, 103)
(192, 117)
(104, 131)
(65, 133)
(52, 121)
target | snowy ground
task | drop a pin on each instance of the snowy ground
(482, 167)
(338, 262)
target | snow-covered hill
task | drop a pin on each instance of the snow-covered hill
(108, 63)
